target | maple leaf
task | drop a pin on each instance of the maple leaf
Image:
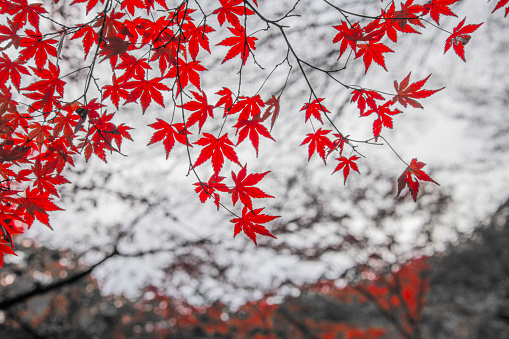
(10, 33)
(146, 90)
(50, 82)
(37, 48)
(272, 103)
(406, 179)
(339, 143)
(44, 90)
(168, 134)
(438, 7)
(201, 109)
(15, 154)
(131, 5)
(5, 249)
(372, 52)
(318, 141)
(25, 12)
(240, 42)
(39, 132)
(407, 94)
(348, 36)
(46, 180)
(230, 12)
(363, 97)
(500, 4)
(244, 187)
(101, 134)
(460, 37)
(407, 15)
(247, 106)
(187, 71)
(346, 164)
(11, 69)
(226, 99)
(114, 46)
(197, 36)
(89, 36)
(35, 205)
(6, 102)
(90, 3)
(384, 117)
(133, 67)
(250, 222)
(65, 123)
(115, 91)
(252, 127)
(207, 190)
(110, 24)
(314, 109)
(214, 149)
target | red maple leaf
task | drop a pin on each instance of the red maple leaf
(372, 51)
(400, 20)
(11, 69)
(168, 134)
(230, 10)
(406, 179)
(226, 99)
(187, 71)
(339, 143)
(25, 12)
(10, 33)
(5, 249)
(44, 90)
(439, 7)
(363, 97)
(115, 91)
(216, 149)
(500, 4)
(134, 68)
(110, 23)
(102, 132)
(318, 141)
(37, 48)
(207, 190)
(90, 3)
(253, 127)
(240, 42)
(89, 36)
(460, 37)
(201, 109)
(348, 36)
(346, 164)
(197, 36)
(131, 5)
(250, 222)
(314, 109)
(46, 179)
(247, 106)
(244, 187)
(384, 117)
(6, 102)
(35, 205)
(146, 90)
(272, 103)
(65, 124)
(114, 47)
(407, 94)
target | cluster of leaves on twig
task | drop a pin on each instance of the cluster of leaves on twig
(153, 48)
